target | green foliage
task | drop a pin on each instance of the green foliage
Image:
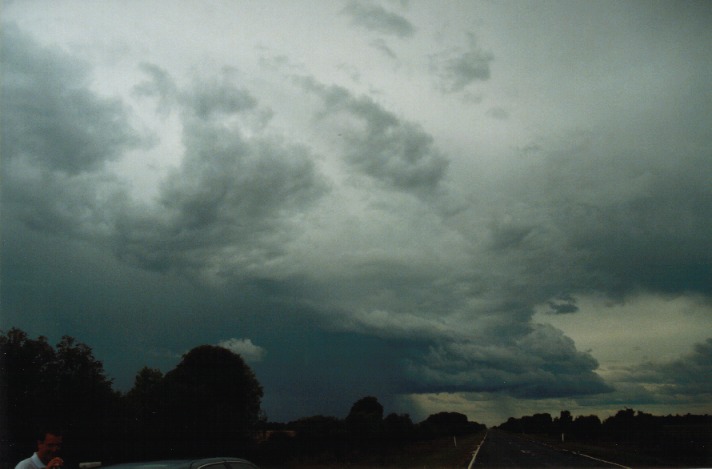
(62, 387)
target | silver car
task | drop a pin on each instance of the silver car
(206, 463)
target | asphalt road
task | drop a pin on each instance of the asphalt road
(501, 449)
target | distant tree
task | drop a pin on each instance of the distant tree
(621, 426)
(211, 401)
(398, 428)
(538, 423)
(142, 429)
(365, 420)
(563, 423)
(144, 397)
(586, 428)
(317, 429)
(445, 424)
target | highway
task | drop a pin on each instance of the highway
(502, 449)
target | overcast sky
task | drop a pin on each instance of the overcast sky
(491, 207)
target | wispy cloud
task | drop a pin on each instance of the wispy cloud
(378, 19)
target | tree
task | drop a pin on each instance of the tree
(142, 411)
(211, 401)
(445, 423)
(85, 402)
(24, 386)
(564, 422)
(65, 387)
(586, 428)
(398, 428)
(365, 419)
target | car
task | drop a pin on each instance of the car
(205, 463)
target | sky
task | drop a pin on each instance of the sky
(497, 208)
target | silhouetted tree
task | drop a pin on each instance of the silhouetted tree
(66, 387)
(398, 428)
(143, 411)
(86, 403)
(318, 434)
(211, 401)
(586, 427)
(365, 420)
(447, 424)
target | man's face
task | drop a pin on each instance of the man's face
(49, 448)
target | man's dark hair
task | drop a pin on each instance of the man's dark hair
(42, 432)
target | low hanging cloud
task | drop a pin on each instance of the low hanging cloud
(689, 376)
(541, 363)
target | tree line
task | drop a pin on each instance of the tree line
(365, 433)
(209, 404)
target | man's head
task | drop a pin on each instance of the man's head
(49, 443)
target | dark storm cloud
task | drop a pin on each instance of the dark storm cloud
(56, 137)
(456, 69)
(378, 19)
(330, 280)
(688, 376)
(228, 204)
(50, 118)
(225, 206)
(635, 223)
(397, 153)
(541, 363)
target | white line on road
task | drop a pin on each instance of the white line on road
(600, 460)
(474, 454)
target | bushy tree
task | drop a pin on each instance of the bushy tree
(211, 401)
(365, 420)
(445, 424)
(63, 387)
(586, 427)
(398, 427)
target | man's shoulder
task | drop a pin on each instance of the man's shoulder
(28, 463)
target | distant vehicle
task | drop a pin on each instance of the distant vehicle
(205, 463)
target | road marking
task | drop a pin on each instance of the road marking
(557, 448)
(599, 460)
(474, 454)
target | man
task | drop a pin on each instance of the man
(49, 443)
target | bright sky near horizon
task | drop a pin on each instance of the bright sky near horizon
(491, 207)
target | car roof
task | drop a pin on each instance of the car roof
(179, 463)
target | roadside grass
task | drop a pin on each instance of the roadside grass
(629, 454)
(441, 453)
